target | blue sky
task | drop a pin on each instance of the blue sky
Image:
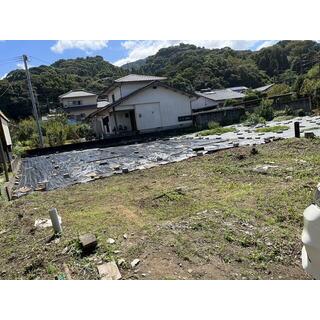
(117, 52)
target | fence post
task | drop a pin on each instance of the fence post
(297, 129)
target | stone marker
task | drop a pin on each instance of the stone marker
(109, 271)
(134, 263)
(88, 242)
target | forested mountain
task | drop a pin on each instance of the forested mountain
(91, 73)
(186, 66)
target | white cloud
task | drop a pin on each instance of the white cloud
(144, 48)
(266, 43)
(85, 45)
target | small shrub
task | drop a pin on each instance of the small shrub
(213, 125)
(56, 133)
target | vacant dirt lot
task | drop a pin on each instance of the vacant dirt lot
(229, 215)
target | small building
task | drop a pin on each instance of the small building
(78, 104)
(215, 99)
(6, 143)
(140, 103)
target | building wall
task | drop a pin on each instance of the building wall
(117, 94)
(85, 101)
(172, 105)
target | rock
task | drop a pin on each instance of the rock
(125, 236)
(134, 263)
(190, 270)
(121, 262)
(110, 241)
(143, 274)
(116, 251)
(44, 223)
(65, 250)
(264, 169)
(109, 271)
(88, 242)
(309, 135)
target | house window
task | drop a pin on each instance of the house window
(113, 98)
(127, 115)
(76, 102)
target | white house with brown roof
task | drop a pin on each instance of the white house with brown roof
(140, 103)
(78, 104)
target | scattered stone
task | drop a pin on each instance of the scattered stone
(65, 250)
(143, 274)
(44, 223)
(190, 270)
(264, 169)
(110, 241)
(67, 272)
(159, 158)
(116, 251)
(56, 166)
(121, 262)
(309, 135)
(125, 236)
(134, 263)
(41, 186)
(88, 243)
(109, 271)
(288, 178)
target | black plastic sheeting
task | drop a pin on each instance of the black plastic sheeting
(63, 169)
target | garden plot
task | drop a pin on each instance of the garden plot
(59, 170)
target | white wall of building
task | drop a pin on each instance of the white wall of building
(84, 101)
(172, 104)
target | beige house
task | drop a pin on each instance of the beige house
(140, 103)
(78, 104)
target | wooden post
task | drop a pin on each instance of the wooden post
(297, 129)
(4, 160)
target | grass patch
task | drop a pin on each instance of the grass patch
(218, 130)
(273, 129)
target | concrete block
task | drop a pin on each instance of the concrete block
(88, 242)
(309, 135)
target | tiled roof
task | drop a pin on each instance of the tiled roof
(222, 94)
(138, 77)
(77, 94)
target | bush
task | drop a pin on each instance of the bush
(253, 119)
(213, 125)
(56, 133)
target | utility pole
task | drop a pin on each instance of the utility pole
(33, 100)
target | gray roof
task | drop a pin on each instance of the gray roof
(264, 88)
(138, 77)
(241, 88)
(77, 94)
(222, 94)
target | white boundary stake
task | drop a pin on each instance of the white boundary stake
(310, 255)
(55, 221)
